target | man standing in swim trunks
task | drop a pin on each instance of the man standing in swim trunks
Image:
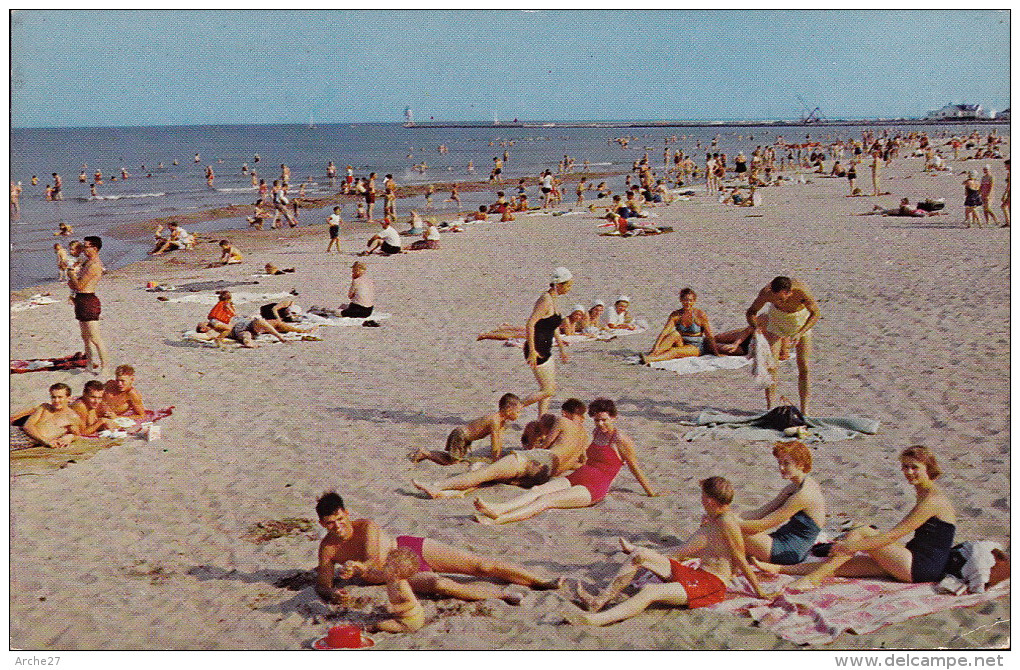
(87, 307)
(792, 313)
(360, 547)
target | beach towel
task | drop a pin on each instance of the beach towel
(75, 360)
(37, 459)
(839, 605)
(37, 300)
(842, 605)
(239, 297)
(321, 319)
(136, 425)
(720, 425)
(693, 364)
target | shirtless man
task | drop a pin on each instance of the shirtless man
(120, 394)
(87, 307)
(718, 543)
(792, 313)
(95, 416)
(566, 445)
(458, 443)
(360, 547)
(54, 424)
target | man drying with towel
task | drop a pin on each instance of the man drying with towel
(792, 313)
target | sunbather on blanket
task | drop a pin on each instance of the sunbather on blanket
(718, 543)
(95, 416)
(686, 333)
(923, 559)
(797, 514)
(52, 424)
(120, 394)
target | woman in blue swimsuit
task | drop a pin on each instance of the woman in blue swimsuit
(686, 333)
(797, 514)
(922, 559)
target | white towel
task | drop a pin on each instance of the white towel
(693, 364)
(316, 319)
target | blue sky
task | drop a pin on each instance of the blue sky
(113, 68)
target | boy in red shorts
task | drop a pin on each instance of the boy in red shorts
(718, 543)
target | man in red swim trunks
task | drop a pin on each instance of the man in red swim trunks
(87, 307)
(360, 546)
(718, 543)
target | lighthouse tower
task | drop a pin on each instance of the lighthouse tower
(408, 117)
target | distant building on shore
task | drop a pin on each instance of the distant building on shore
(1004, 114)
(952, 111)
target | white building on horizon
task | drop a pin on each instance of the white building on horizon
(953, 111)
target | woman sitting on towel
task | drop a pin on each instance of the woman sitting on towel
(586, 486)
(797, 514)
(280, 315)
(576, 322)
(923, 559)
(686, 333)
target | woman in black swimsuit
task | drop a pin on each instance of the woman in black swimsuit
(542, 329)
(971, 200)
(922, 559)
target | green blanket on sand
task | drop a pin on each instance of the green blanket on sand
(714, 424)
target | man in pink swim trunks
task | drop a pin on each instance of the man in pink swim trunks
(360, 547)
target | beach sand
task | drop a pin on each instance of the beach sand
(148, 545)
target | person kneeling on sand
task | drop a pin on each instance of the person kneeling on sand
(718, 543)
(52, 424)
(120, 394)
(528, 467)
(458, 443)
(360, 546)
(280, 315)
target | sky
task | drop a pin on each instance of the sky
(163, 67)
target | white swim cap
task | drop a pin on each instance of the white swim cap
(577, 308)
(623, 298)
(561, 275)
(598, 303)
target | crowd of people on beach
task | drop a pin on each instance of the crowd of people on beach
(560, 466)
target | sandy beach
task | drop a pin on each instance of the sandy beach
(154, 544)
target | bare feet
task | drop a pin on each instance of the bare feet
(627, 547)
(485, 509)
(484, 520)
(763, 566)
(512, 596)
(805, 583)
(418, 455)
(576, 616)
(437, 494)
(550, 584)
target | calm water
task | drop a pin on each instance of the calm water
(381, 148)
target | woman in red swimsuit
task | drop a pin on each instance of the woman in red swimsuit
(586, 486)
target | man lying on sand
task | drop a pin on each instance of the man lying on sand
(531, 467)
(360, 547)
(120, 394)
(95, 416)
(52, 424)
(458, 443)
(718, 543)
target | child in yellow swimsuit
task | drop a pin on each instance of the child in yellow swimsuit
(408, 614)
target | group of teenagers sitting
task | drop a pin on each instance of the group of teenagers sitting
(560, 467)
